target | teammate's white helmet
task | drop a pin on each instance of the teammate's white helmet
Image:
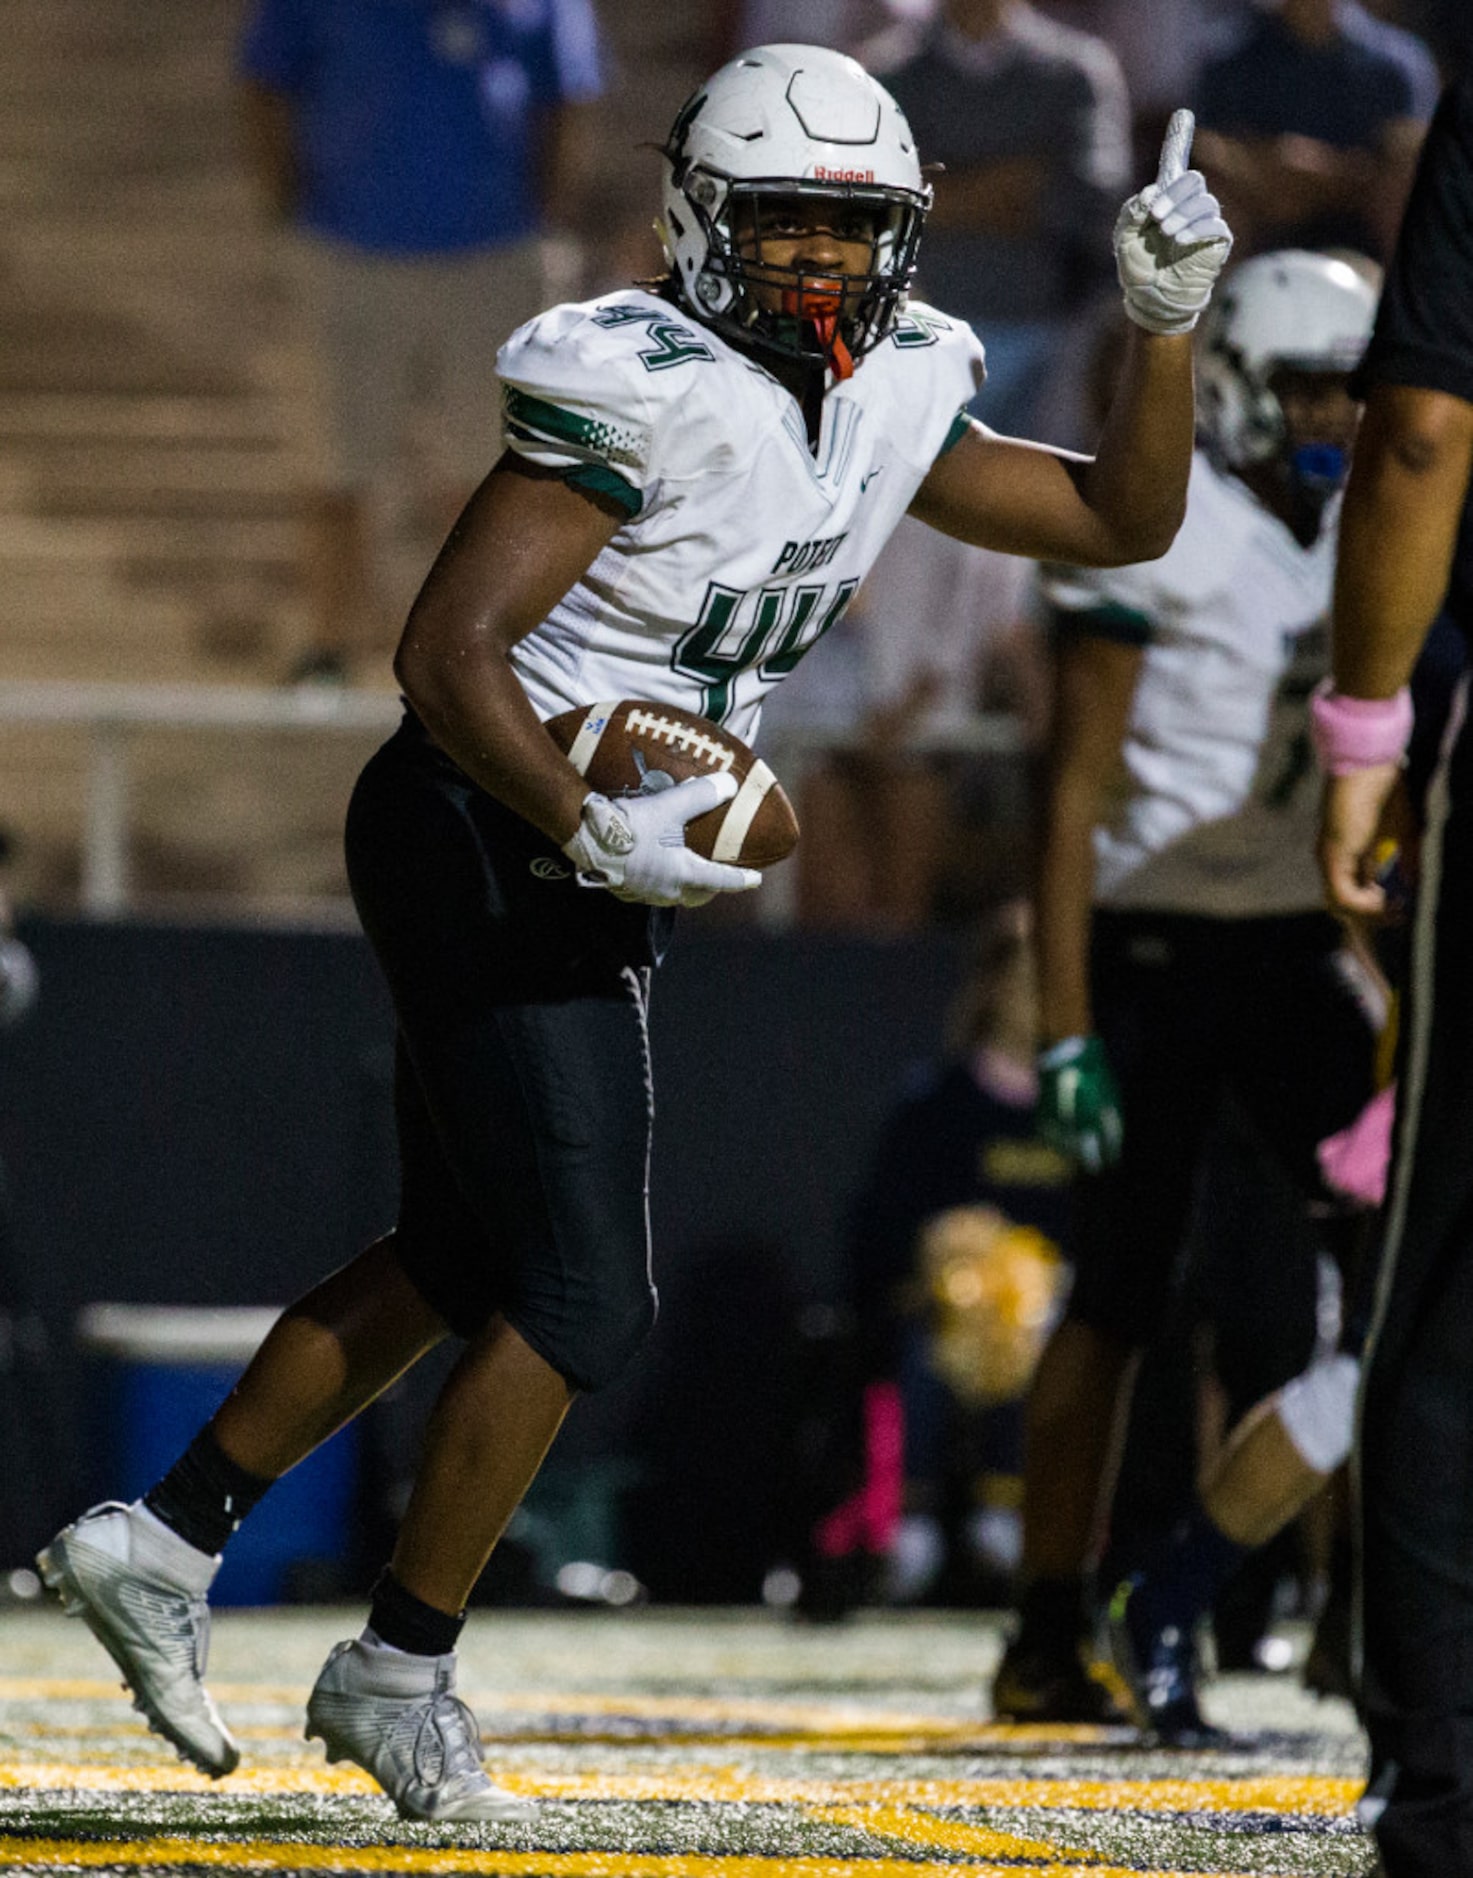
(1293, 308)
(780, 121)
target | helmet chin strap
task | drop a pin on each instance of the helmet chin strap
(821, 311)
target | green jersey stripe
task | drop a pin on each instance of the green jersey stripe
(960, 425)
(536, 420)
(1106, 620)
(603, 481)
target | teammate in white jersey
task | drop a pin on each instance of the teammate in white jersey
(1184, 956)
(695, 479)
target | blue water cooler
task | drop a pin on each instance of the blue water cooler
(162, 1371)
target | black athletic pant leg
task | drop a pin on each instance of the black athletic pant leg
(1416, 1452)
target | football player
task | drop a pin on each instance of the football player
(1184, 955)
(696, 477)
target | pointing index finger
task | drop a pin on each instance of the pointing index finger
(1176, 147)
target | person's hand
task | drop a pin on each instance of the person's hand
(636, 846)
(19, 979)
(1171, 242)
(1078, 1103)
(1353, 832)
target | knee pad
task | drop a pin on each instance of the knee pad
(1317, 1411)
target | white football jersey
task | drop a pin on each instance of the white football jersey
(1216, 809)
(742, 546)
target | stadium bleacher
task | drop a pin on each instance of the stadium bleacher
(150, 394)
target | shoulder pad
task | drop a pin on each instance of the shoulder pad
(585, 386)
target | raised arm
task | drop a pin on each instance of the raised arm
(1126, 502)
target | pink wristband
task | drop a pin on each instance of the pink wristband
(1358, 733)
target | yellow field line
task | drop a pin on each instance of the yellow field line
(1301, 1795)
(173, 1777)
(535, 1702)
(1315, 1795)
(56, 1689)
(121, 1731)
(266, 1855)
(93, 1689)
(879, 1746)
(949, 1835)
(834, 1720)
(837, 1718)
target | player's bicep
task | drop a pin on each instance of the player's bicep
(525, 537)
(1013, 496)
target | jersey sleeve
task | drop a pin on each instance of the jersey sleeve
(572, 402)
(955, 363)
(1144, 602)
(1101, 603)
(1424, 329)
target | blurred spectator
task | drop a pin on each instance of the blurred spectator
(1444, 25)
(1032, 121)
(841, 23)
(1379, 29)
(420, 151)
(1310, 120)
(955, 1269)
(939, 632)
(1161, 45)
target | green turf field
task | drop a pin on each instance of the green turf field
(694, 1744)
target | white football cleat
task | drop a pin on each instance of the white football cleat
(140, 1589)
(398, 1717)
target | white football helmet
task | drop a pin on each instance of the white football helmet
(1293, 308)
(785, 121)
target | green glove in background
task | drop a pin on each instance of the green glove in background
(1078, 1103)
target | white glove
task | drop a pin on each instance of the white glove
(1170, 240)
(636, 846)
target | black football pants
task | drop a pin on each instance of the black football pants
(1416, 1442)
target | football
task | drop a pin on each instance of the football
(634, 745)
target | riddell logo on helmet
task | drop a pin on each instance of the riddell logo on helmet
(823, 175)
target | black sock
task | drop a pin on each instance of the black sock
(399, 1618)
(1053, 1612)
(205, 1495)
(1184, 1581)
